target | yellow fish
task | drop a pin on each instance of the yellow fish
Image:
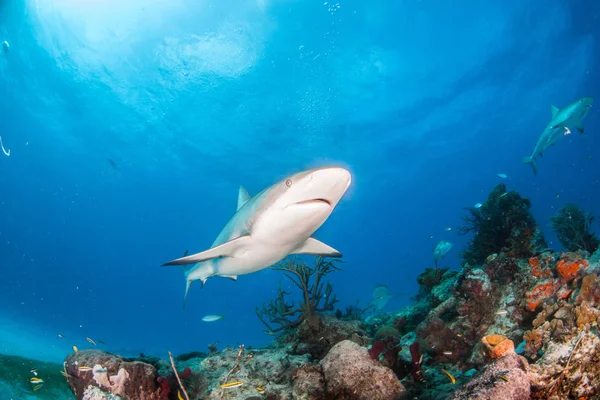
(36, 380)
(90, 340)
(231, 385)
(270, 333)
(85, 369)
(65, 374)
(503, 377)
(452, 379)
(179, 396)
(36, 387)
(75, 349)
(260, 390)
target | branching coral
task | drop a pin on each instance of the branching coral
(502, 223)
(572, 226)
(310, 281)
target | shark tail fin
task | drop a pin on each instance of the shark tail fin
(530, 160)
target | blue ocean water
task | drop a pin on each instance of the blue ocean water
(132, 124)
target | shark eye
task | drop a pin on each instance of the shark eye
(288, 182)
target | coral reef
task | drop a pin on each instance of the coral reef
(279, 315)
(516, 321)
(572, 226)
(502, 223)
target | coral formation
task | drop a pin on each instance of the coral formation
(310, 281)
(572, 226)
(502, 223)
(497, 346)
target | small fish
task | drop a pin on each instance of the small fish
(452, 379)
(421, 359)
(231, 385)
(503, 194)
(567, 131)
(65, 374)
(61, 336)
(85, 369)
(260, 390)
(503, 176)
(502, 312)
(447, 229)
(459, 335)
(34, 371)
(75, 349)
(557, 195)
(179, 396)
(37, 387)
(270, 333)
(447, 353)
(504, 378)
(101, 342)
(212, 318)
(36, 380)
(90, 340)
(478, 205)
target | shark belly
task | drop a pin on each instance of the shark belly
(255, 258)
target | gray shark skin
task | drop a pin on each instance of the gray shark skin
(268, 227)
(564, 119)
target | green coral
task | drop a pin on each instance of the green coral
(502, 223)
(278, 314)
(572, 226)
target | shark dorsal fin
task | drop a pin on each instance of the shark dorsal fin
(243, 197)
(553, 110)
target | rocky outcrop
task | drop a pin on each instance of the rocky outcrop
(505, 378)
(351, 374)
(317, 334)
(112, 375)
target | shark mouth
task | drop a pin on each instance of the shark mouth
(312, 201)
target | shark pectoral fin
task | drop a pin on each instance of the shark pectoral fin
(313, 246)
(227, 249)
(243, 197)
(233, 277)
(579, 126)
(553, 110)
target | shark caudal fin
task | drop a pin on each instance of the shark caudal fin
(530, 160)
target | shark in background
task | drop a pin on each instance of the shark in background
(268, 227)
(561, 123)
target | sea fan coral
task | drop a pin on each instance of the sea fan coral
(310, 281)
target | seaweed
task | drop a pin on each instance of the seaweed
(572, 226)
(279, 315)
(502, 223)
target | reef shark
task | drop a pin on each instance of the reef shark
(275, 223)
(562, 119)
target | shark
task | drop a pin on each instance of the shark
(571, 116)
(266, 228)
